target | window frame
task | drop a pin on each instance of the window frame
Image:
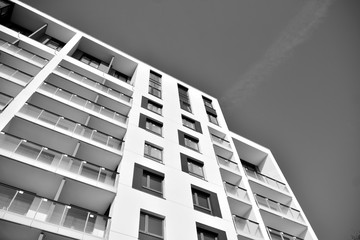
(191, 162)
(151, 176)
(148, 215)
(138, 177)
(155, 105)
(212, 118)
(195, 141)
(188, 120)
(153, 126)
(195, 196)
(202, 228)
(91, 60)
(148, 145)
(184, 98)
(155, 84)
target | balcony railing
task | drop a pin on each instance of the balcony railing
(39, 209)
(280, 208)
(268, 180)
(278, 235)
(246, 226)
(221, 141)
(226, 163)
(70, 128)
(83, 103)
(82, 80)
(19, 52)
(4, 100)
(16, 148)
(14, 75)
(236, 192)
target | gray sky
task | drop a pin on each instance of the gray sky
(286, 74)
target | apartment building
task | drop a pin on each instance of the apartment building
(95, 144)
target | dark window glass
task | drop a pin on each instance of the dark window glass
(151, 225)
(153, 151)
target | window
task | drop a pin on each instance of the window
(207, 102)
(151, 105)
(201, 200)
(152, 181)
(148, 180)
(192, 166)
(153, 126)
(190, 123)
(153, 152)
(195, 168)
(212, 118)
(155, 84)
(91, 61)
(51, 42)
(188, 141)
(184, 98)
(205, 232)
(191, 142)
(150, 224)
(119, 75)
(206, 235)
(205, 201)
(154, 107)
(150, 124)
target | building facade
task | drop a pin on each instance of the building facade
(96, 144)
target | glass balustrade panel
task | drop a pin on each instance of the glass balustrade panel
(8, 143)
(21, 203)
(6, 195)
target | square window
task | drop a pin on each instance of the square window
(212, 118)
(205, 232)
(148, 180)
(153, 126)
(201, 200)
(152, 181)
(150, 225)
(154, 107)
(195, 168)
(191, 142)
(188, 123)
(153, 152)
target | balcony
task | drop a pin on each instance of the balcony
(20, 206)
(92, 84)
(247, 229)
(52, 160)
(23, 54)
(238, 199)
(221, 141)
(227, 164)
(4, 100)
(278, 235)
(267, 180)
(81, 103)
(70, 128)
(14, 75)
(279, 208)
(236, 192)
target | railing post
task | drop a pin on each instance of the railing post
(63, 215)
(86, 221)
(12, 200)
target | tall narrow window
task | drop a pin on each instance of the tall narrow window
(155, 84)
(206, 235)
(150, 224)
(195, 168)
(184, 98)
(212, 118)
